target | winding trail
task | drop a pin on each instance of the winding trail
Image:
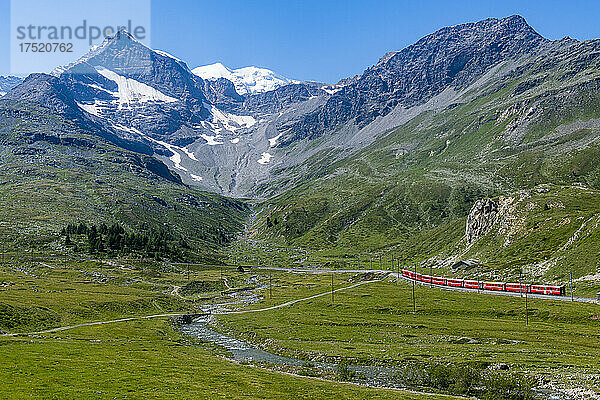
(282, 305)
(64, 328)
(291, 302)
(175, 292)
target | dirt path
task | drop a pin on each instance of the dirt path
(175, 290)
(289, 303)
(64, 328)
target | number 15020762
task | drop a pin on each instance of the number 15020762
(55, 47)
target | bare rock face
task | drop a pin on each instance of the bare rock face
(451, 57)
(482, 217)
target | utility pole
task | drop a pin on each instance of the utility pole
(398, 273)
(188, 272)
(221, 278)
(392, 261)
(430, 276)
(571, 274)
(413, 297)
(332, 288)
(380, 261)
(520, 282)
(358, 261)
(371, 265)
(270, 284)
(478, 284)
(526, 310)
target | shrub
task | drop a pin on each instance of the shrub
(343, 372)
(507, 386)
(466, 379)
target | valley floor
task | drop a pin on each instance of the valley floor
(369, 322)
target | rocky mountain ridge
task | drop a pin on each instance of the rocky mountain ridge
(262, 144)
(7, 83)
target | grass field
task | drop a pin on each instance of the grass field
(138, 359)
(374, 324)
(148, 360)
(371, 324)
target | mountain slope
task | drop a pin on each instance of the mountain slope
(400, 152)
(452, 57)
(203, 129)
(7, 83)
(55, 172)
(526, 121)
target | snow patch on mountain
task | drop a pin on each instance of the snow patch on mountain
(211, 140)
(175, 158)
(90, 109)
(333, 89)
(131, 91)
(164, 53)
(132, 130)
(265, 158)
(273, 141)
(190, 154)
(247, 80)
(222, 120)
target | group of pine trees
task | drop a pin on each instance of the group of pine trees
(115, 239)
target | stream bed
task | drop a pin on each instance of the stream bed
(244, 352)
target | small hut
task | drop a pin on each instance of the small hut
(464, 264)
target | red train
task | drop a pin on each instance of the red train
(498, 286)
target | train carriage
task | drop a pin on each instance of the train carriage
(455, 282)
(499, 286)
(516, 287)
(438, 280)
(547, 289)
(471, 284)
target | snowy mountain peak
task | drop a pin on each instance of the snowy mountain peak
(247, 80)
(213, 71)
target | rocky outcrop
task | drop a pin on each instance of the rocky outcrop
(482, 217)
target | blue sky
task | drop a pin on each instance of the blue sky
(325, 40)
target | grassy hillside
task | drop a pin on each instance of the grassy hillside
(53, 174)
(518, 127)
